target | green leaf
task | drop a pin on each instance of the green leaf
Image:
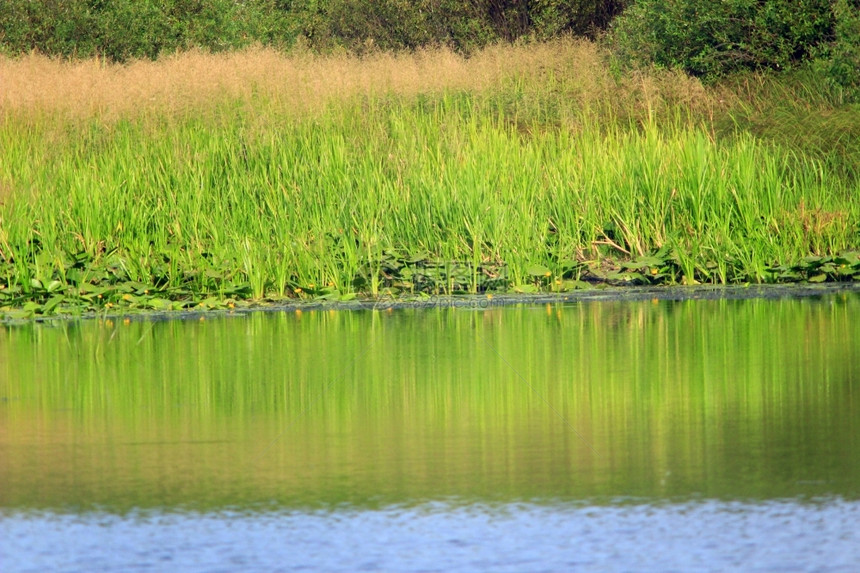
(18, 314)
(538, 271)
(634, 265)
(643, 262)
(210, 302)
(575, 285)
(790, 276)
(818, 278)
(52, 303)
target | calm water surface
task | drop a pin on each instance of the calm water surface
(606, 436)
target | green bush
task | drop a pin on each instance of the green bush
(126, 29)
(49, 26)
(122, 29)
(360, 25)
(399, 24)
(579, 17)
(712, 38)
(842, 66)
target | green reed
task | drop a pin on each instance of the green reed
(521, 189)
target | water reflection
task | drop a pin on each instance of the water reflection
(733, 400)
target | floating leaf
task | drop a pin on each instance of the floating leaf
(646, 261)
(575, 285)
(18, 314)
(790, 276)
(635, 265)
(538, 271)
(332, 295)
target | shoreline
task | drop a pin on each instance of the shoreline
(474, 302)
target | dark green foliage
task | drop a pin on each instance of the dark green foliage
(715, 38)
(580, 17)
(387, 24)
(126, 29)
(123, 29)
(708, 38)
(50, 26)
(712, 38)
(361, 25)
(843, 62)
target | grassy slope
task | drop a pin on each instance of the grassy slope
(257, 174)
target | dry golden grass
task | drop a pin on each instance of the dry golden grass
(186, 81)
(301, 82)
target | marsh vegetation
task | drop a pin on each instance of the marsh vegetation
(208, 180)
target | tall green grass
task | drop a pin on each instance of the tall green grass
(527, 184)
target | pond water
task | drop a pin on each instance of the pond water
(606, 436)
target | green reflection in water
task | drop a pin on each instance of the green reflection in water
(755, 399)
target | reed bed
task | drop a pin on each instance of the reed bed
(202, 179)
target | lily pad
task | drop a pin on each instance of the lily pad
(538, 271)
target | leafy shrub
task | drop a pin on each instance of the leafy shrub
(122, 29)
(843, 62)
(397, 24)
(360, 25)
(126, 29)
(579, 17)
(711, 38)
(50, 26)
